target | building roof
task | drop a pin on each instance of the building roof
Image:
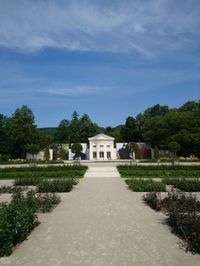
(100, 137)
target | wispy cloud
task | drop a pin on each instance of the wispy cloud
(74, 90)
(145, 27)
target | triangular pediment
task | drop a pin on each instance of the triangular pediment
(101, 136)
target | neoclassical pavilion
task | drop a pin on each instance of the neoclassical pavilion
(102, 148)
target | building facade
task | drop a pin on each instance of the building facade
(101, 147)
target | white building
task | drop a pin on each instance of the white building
(102, 148)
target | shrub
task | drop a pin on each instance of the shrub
(16, 221)
(29, 181)
(10, 189)
(46, 202)
(153, 200)
(182, 215)
(141, 185)
(60, 185)
(184, 184)
(19, 217)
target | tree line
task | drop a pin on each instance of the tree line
(158, 126)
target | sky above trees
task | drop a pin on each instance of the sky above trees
(110, 59)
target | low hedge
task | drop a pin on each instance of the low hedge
(45, 168)
(19, 217)
(60, 185)
(44, 173)
(141, 185)
(184, 184)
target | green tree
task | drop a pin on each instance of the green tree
(156, 153)
(33, 149)
(63, 131)
(4, 137)
(130, 131)
(46, 154)
(76, 148)
(22, 131)
(133, 147)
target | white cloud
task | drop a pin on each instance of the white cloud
(74, 90)
(146, 27)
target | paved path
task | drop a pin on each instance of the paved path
(101, 223)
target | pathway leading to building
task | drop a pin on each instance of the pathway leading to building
(101, 223)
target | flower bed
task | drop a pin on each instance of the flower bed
(183, 215)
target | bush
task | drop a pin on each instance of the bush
(16, 221)
(184, 184)
(56, 185)
(182, 215)
(19, 217)
(153, 199)
(29, 181)
(141, 185)
(10, 189)
(46, 202)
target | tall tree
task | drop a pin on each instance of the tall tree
(4, 137)
(22, 131)
(130, 131)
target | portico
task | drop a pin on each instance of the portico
(102, 148)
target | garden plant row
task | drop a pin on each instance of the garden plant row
(146, 185)
(51, 172)
(19, 217)
(183, 215)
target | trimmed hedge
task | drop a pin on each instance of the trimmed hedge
(141, 185)
(17, 219)
(184, 184)
(60, 185)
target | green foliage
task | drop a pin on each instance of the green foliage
(46, 202)
(22, 131)
(183, 215)
(76, 148)
(142, 185)
(46, 154)
(77, 129)
(130, 131)
(133, 147)
(174, 146)
(56, 185)
(11, 189)
(27, 181)
(184, 184)
(156, 153)
(161, 171)
(17, 219)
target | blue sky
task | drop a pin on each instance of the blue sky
(109, 59)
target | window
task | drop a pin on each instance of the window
(101, 154)
(94, 155)
(108, 155)
(101, 146)
(94, 146)
(108, 146)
